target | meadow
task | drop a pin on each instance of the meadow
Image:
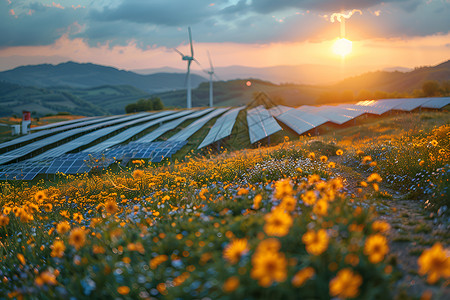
(311, 218)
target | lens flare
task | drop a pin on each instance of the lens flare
(342, 47)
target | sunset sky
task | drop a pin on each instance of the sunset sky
(137, 34)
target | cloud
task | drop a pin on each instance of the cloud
(164, 22)
(157, 12)
(34, 24)
(330, 6)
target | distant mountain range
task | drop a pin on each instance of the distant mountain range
(90, 89)
(87, 75)
(300, 74)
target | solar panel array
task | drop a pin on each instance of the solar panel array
(261, 124)
(222, 128)
(192, 128)
(35, 146)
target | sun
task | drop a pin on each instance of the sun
(342, 47)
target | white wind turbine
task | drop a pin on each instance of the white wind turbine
(188, 74)
(211, 74)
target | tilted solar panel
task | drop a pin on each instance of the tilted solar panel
(222, 128)
(261, 124)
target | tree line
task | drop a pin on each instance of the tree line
(153, 103)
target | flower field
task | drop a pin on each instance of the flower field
(306, 219)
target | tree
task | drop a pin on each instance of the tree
(431, 88)
(157, 103)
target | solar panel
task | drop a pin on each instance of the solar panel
(222, 128)
(22, 170)
(76, 163)
(436, 103)
(192, 128)
(171, 125)
(261, 124)
(90, 137)
(58, 124)
(301, 121)
(43, 133)
(377, 107)
(32, 147)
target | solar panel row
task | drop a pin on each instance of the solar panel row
(261, 124)
(58, 124)
(222, 128)
(192, 128)
(301, 121)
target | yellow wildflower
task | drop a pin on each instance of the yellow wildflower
(376, 248)
(435, 262)
(346, 284)
(234, 250)
(316, 242)
(302, 276)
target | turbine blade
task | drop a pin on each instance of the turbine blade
(198, 63)
(176, 50)
(210, 62)
(190, 40)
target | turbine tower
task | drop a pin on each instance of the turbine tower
(189, 60)
(210, 73)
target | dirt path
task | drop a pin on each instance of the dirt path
(412, 231)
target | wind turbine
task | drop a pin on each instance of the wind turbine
(210, 73)
(189, 60)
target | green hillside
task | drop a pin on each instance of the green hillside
(15, 98)
(88, 102)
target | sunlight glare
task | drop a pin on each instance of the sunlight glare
(342, 47)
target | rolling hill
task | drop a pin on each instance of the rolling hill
(89, 102)
(87, 75)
